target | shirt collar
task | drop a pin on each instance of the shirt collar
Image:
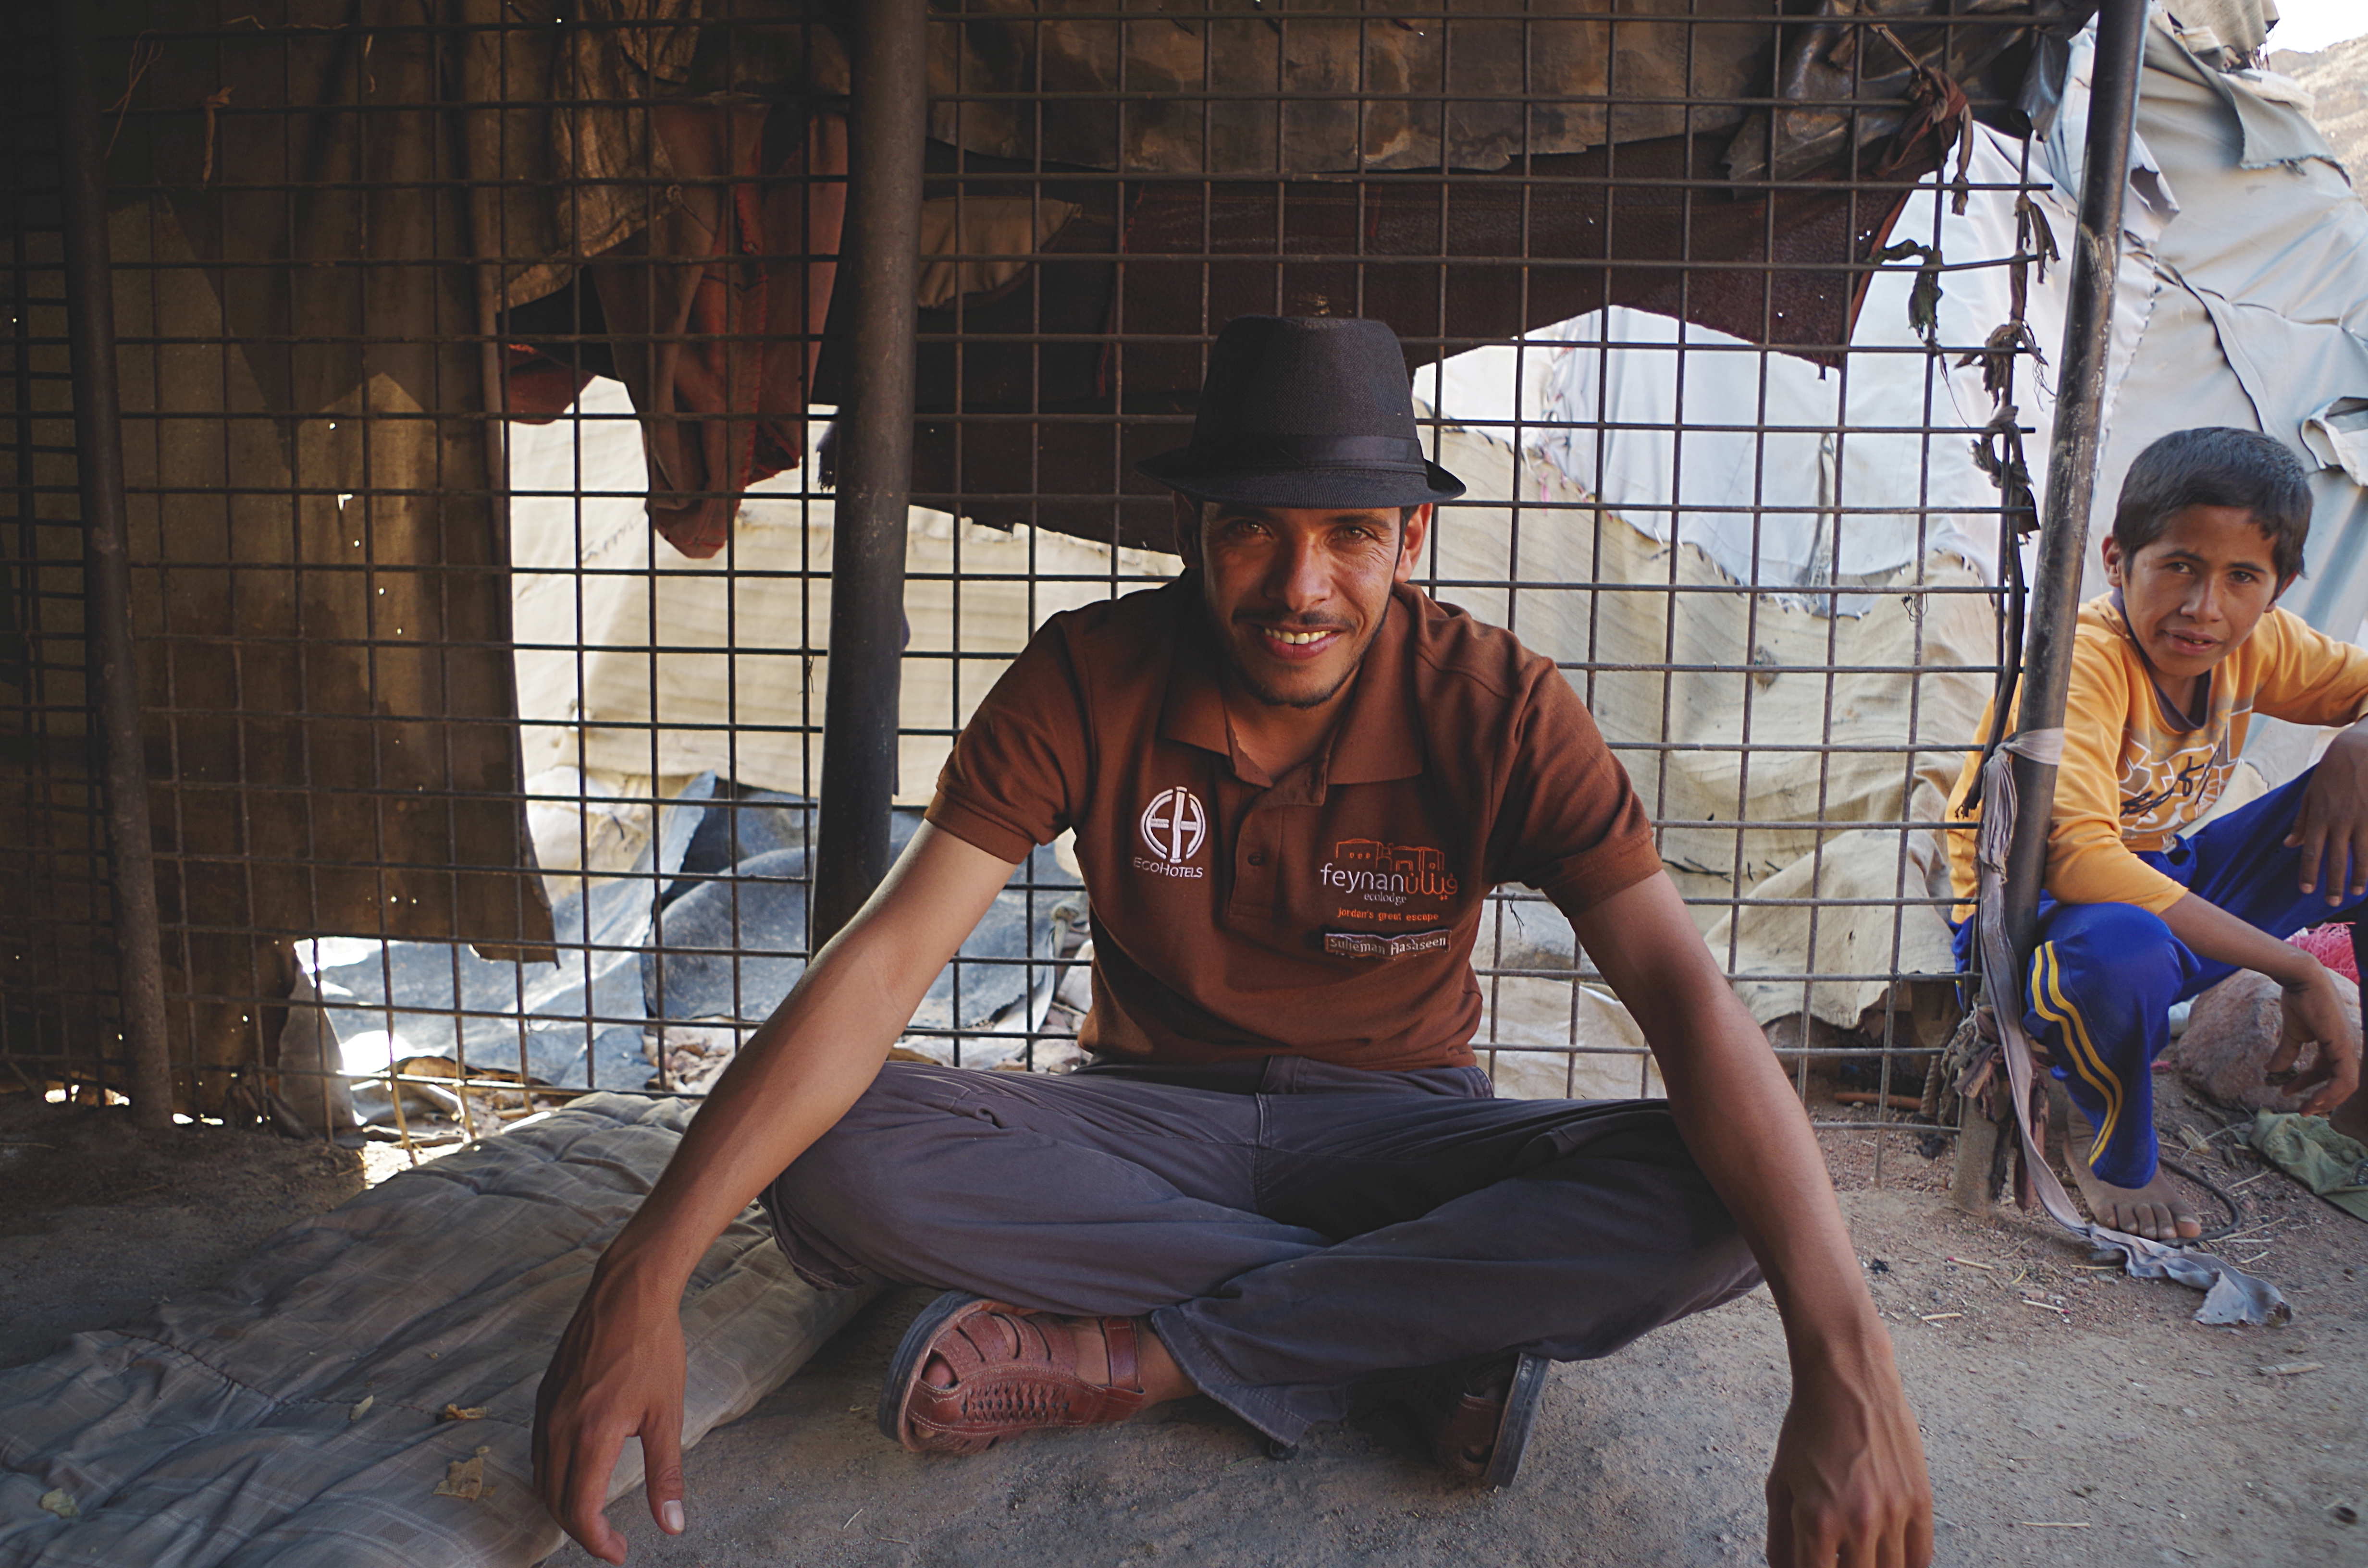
(1378, 736)
(1194, 709)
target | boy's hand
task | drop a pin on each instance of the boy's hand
(2332, 829)
(2315, 1012)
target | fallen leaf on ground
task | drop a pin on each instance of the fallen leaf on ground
(462, 1413)
(59, 1501)
(465, 1478)
(361, 1407)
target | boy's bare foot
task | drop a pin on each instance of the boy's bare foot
(2157, 1210)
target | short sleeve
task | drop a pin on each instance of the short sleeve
(1569, 822)
(1017, 774)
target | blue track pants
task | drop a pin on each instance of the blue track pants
(2104, 976)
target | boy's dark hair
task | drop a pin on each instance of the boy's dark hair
(2216, 466)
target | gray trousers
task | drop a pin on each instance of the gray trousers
(1290, 1227)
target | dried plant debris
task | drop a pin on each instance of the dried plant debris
(465, 1479)
(690, 1055)
(1924, 295)
(59, 1501)
(361, 1407)
(462, 1413)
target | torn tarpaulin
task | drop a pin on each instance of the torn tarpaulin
(710, 923)
(731, 931)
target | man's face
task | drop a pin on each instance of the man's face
(2198, 590)
(1296, 594)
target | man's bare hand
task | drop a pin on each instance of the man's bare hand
(618, 1373)
(1849, 1486)
(2315, 1014)
(2332, 829)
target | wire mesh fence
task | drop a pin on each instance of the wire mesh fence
(54, 999)
(480, 377)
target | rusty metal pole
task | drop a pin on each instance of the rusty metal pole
(106, 569)
(2072, 452)
(2096, 257)
(880, 260)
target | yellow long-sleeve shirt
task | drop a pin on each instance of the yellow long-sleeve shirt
(2130, 779)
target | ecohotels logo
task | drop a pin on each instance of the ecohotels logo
(1174, 826)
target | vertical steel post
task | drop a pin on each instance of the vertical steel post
(880, 260)
(106, 570)
(2072, 451)
(2063, 525)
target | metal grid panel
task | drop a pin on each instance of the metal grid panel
(57, 1002)
(339, 244)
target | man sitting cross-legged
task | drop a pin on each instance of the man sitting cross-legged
(2168, 670)
(1293, 779)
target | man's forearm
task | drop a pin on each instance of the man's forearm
(1746, 1130)
(1847, 1480)
(788, 1084)
(619, 1368)
(1738, 1115)
(798, 1075)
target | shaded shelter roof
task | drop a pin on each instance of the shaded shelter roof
(1454, 172)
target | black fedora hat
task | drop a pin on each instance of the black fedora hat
(1306, 411)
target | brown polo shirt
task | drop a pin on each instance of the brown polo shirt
(1329, 912)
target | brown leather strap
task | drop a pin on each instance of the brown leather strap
(1119, 1344)
(1012, 1373)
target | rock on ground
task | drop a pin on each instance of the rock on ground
(2232, 1031)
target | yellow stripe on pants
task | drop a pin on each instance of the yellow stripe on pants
(2046, 986)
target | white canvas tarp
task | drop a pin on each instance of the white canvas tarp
(1854, 725)
(2261, 315)
(636, 664)
(2242, 299)
(1790, 476)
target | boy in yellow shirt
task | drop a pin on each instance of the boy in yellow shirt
(2168, 670)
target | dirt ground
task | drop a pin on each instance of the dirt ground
(2102, 1425)
(97, 1224)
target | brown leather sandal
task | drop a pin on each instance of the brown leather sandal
(1010, 1376)
(1481, 1419)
